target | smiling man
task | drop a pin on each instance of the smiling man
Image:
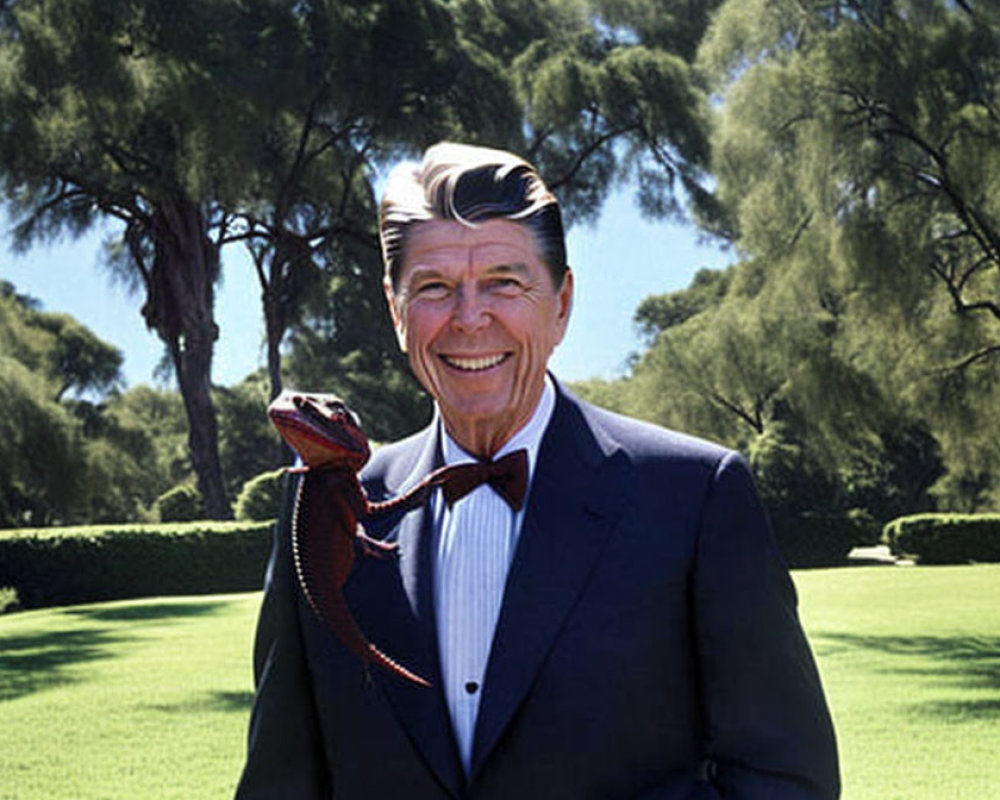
(623, 628)
(479, 313)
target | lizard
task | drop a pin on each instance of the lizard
(329, 503)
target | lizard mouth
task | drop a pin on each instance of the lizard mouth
(474, 364)
(335, 422)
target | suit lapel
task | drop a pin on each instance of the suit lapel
(393, 602)
(576, 497)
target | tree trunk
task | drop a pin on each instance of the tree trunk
(180, 307)
(288, 273)
(274, 321)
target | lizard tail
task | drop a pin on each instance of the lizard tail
(323, 538)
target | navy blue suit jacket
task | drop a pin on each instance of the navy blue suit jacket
(648, 645)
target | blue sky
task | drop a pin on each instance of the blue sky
(617, 262)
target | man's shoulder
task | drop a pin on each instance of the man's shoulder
(391, 463)
(643, 440)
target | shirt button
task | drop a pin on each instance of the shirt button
(472, 687)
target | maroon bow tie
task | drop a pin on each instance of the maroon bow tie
(507, 475)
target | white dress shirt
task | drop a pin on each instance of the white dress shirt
(474, 544)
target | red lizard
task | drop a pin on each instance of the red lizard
(328, 505)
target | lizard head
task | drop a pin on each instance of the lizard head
(321, 429)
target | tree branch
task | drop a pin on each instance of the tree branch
(969, 360)
(584, 154)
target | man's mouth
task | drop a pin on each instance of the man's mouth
(477, 364)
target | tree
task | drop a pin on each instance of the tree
(58, 346)
(204, 123)
(135, 444)
(41, 457)
(66, 460)
(860, 139)
(80, 360)
(451, 75)
(249, 444)
(483, 68)
(355, 90)
(768, 364)
(129, 110)
(345, 344)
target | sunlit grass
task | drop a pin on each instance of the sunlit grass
(149, 699)
(910, 659)
(139, 699)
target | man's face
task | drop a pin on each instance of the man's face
(478, 316)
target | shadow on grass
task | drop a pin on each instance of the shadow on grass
(964, 662)
(962, 710)
(210, 701)
(33, 662)
(147, 611)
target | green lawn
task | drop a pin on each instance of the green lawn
(149, 699)
(141, 699)
(910, 658)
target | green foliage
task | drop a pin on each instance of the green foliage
(791, 479)
(248, 442)
(103, 459)
(854, 145)
(766, 362)
(610, 97)
(945, 538)
(42, 459)
(78, 359)
(852, 352)
(56, 346)
(140, 439)
(107, 458)
(821, 540)
(260, 497)
(203, 124)
(182, 503)
(345, 345)
(616, 394)
(59, 566)
(8, 600)
(657, 313)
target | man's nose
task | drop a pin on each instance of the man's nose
(471, 310)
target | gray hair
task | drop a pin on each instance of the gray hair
(469, 184)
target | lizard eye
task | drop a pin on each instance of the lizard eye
(339, 407)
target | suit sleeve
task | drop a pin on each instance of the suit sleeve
(769, 733)
(285, 756)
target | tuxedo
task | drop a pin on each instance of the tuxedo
(648, 644)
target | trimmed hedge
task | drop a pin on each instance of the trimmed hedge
(945, 538)
(182, 503)
(60, 566)
(260, 497)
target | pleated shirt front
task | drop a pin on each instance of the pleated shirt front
(474, 545)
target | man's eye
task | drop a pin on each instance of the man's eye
(505, 285)
(433, 290)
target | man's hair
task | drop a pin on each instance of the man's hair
(470, 185)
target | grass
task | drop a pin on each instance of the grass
(149, 699)
(910, 659)
(138, 699)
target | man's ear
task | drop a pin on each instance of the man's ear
(564, 298)
(395, 312)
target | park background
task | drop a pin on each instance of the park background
(785, 223)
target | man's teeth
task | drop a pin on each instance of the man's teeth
(473, 364)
